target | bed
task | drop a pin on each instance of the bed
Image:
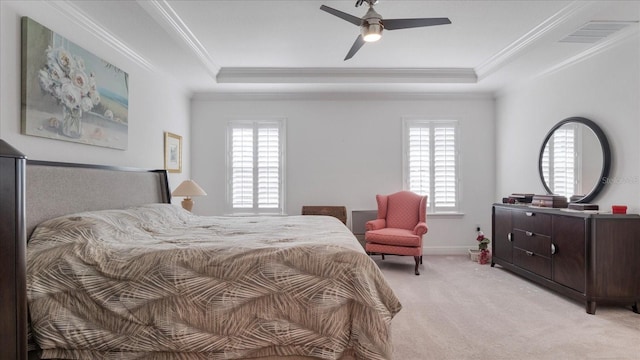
(116, 271)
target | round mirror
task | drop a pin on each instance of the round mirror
(575, 160)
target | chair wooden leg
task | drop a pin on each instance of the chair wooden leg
(382, 256)
(420, 259)
(417, 259)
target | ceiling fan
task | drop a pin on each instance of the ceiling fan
(372, 24)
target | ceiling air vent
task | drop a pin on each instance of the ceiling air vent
(595, 31)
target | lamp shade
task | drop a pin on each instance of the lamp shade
(188, 188)
(371, 32)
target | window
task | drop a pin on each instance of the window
(255, 166)
(559, 161)
(431, 162)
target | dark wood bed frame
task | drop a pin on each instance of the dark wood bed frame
(34, 191)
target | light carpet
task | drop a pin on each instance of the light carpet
(458, 309)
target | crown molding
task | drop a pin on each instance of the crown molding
(172, 22)
(598, 48)
(520, 45)
(631, 32)
(340, 96)
(263, 75)
(72, 12)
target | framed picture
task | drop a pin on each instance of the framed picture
(70, 94)
(172, 152)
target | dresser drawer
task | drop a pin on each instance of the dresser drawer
(533, 262)
(530, 241)
(539, 223)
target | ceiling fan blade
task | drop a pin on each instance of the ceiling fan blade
(343, 15)
(355, 47)
(395, 24)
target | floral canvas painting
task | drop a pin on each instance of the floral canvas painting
(70, 94)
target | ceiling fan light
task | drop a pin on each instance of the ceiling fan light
(371, 32)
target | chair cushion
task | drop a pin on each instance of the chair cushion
(391, 236)
(393, 250)
(403, 210)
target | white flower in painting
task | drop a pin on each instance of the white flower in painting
(95, 97)
(56, 90)
(71, 95)
(56, 73)
(108, 114)
(64, 77)
(86, 104)
(79, 63)
(79, 79)
(65, 60)
(45, 80)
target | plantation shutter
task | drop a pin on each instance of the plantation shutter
(268, 154)
(242, 168)
(564, 162)
(445, 167)
(256, 167)
(419, 163)
(431, 162)
(559, 161)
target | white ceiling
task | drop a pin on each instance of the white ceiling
(293, 46)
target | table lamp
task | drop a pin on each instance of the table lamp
(188, 188)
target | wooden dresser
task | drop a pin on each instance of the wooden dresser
(589, 257)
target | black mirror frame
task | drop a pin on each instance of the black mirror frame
(606, 156)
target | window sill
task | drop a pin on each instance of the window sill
(452, 214)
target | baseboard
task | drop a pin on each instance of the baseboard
(435, 250)
(445, 250)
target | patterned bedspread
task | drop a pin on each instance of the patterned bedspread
(157, 282)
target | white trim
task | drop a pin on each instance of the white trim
(160, 9)
(271, 75)
(514, 49)
(629, 32)
(599, 48)
(72, 12)
(340, 96)
(447, 250)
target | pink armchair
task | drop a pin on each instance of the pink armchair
(400, 225)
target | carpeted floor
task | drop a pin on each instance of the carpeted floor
(458, 309)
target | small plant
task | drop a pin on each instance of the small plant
(483, 242)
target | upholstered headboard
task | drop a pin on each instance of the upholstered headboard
(56, 189)
(34, 191)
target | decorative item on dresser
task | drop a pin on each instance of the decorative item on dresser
(552, 201)
(188, 188)
(585, 256)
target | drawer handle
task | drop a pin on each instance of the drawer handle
(529, 253)
(510, 236)
(529, 213)
(553, 249)
(529, 233)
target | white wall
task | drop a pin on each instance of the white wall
(344, 152)
(156, 104)
(604, 88)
